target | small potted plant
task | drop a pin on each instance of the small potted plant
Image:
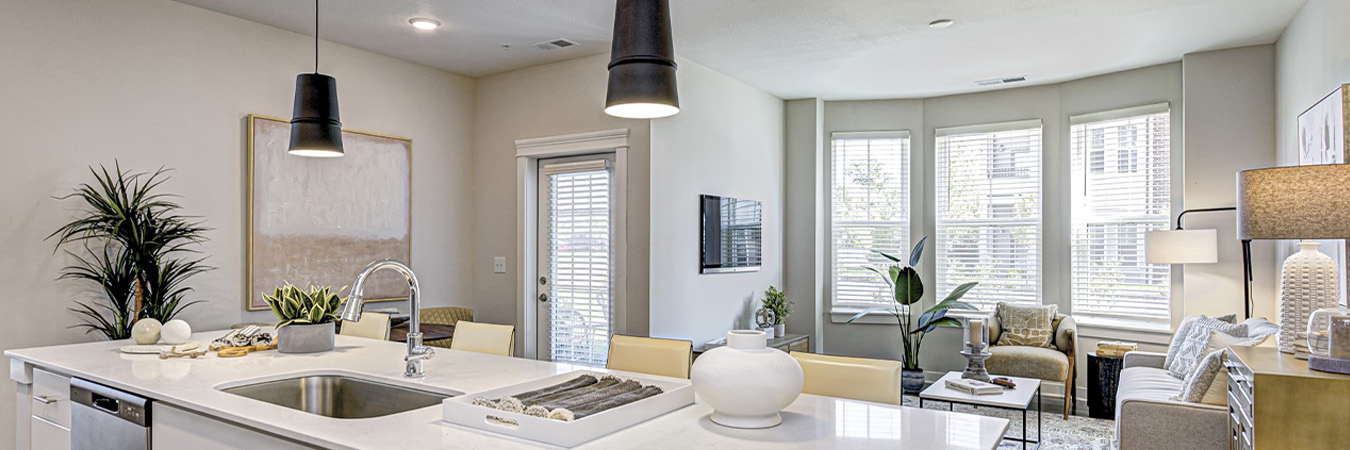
(907, 291)
(307, 318)
(776, 301)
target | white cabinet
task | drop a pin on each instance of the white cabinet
(173, 427)
(49, 424)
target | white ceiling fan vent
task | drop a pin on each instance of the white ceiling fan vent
(555, 44)
(998, 81)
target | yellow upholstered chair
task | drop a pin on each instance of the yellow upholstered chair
(484, 338)
(1048, 364)
(867, 379)
(445, 315)
(663, 357)
(372, 325)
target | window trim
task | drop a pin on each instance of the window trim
(848, 309)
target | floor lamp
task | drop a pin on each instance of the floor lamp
(1182, 246)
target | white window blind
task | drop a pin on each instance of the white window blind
(989, 212)
(581, 261)
(1121, 189)
(869, 185)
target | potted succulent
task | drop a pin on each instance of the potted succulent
(907, 290)
(776, 301)
(307, 318)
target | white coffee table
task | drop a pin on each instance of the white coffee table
(1017, 399)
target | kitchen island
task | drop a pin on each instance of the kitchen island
(187, 402)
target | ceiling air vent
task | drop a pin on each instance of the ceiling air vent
(998, 81)
(555, 44)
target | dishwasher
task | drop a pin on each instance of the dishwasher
(103, 418)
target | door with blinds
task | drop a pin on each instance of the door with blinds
(576, 259)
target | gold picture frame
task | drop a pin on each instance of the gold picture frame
(285, 247)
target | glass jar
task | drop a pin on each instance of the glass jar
(1328, 327)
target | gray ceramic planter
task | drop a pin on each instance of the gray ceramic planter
(911, 380)
(296, 338)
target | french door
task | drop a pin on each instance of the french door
(576, 259)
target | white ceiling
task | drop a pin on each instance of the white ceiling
(833, 49)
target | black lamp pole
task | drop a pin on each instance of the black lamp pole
(1246, 259)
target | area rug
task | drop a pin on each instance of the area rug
(1076, 433)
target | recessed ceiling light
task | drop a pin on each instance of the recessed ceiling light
(423, 23)
(941, 23)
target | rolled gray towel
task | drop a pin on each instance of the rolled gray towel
(594, 396)
(569, 393)
(581, 381)
(615, 402)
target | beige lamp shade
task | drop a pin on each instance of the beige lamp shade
(1300, 202)
(1181, 247)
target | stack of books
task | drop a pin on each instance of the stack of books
(974, 387)
(1115, 348)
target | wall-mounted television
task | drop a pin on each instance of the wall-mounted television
(732, 234)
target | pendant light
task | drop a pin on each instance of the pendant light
(642, 62)
(316, 130)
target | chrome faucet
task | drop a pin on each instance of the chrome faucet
(355, 301)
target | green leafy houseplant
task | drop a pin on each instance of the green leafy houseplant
(296, 306)
(907, 290)
(776, 301)
(135, 245)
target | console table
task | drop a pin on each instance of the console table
(787, 343)
(1275, 402)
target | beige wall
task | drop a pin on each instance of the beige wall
(154, 82)
(1312, 58)
(726, 141)
(1230, 126)
(553, 99)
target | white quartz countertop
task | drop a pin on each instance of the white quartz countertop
(812, 422)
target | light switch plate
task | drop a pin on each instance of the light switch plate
(499, 264)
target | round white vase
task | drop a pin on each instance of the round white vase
(1308, 283)
(745, 382)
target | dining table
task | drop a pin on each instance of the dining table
(430, 332)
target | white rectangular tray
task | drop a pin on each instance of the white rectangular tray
(461, 410)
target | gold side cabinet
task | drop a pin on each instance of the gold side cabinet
(1275, 402)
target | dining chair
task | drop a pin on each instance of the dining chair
(445, 315)
(372, 325)
(484, 338)
(654, 356)
(866, 379)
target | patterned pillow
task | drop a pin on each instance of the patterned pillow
(1201, 385)
(1193, 344)
(1030, 326)
(1184, 328)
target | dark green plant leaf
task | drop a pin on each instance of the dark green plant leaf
(917, 253)
(943, 322)
(889, 256)
(961, 291)
(908, 287)
(865, 312)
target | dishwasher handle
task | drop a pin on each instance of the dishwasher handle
(123, 405)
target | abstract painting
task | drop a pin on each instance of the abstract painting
(321, 220)
(1322, 135)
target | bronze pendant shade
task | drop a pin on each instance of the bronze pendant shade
(316, 129)
(642, 62)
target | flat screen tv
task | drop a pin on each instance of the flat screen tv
(732, 234)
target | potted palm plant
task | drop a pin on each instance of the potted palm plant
(308, 318)
(132, 242)
(907, 291)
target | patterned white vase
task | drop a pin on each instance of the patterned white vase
(1307, 283)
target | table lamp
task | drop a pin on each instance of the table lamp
(1298, 202)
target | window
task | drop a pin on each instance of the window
(1114, 204)
(989, 212)
(869, 190)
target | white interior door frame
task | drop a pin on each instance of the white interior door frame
(528, 153)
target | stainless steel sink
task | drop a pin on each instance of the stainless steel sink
(339, 396)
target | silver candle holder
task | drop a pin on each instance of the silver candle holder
(975, 356)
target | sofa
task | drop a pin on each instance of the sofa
(1146, 416)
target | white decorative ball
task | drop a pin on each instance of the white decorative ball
(146, 331)
(176, 332)
(745, 382)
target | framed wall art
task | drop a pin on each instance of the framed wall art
(321, 220)
(1323, 131)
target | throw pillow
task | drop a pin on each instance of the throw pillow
(1184, 328)
(1192, 348)
(1204, 384)
(1030, 326)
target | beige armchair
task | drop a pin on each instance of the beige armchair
(1049, 364)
